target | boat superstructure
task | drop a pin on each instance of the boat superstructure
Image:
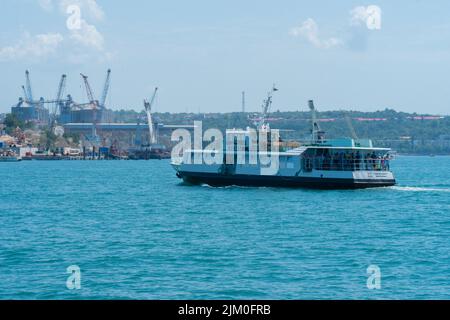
(319, 163)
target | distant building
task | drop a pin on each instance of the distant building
(85, 115)
(34, 113)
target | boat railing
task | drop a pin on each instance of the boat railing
(337, 164)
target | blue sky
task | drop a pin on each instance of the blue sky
(202, 54)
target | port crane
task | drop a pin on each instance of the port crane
(89, 92)
(105, 89)
(28, 92)
(267, 103)
(28, 97)
(25, 95)
(148, 110)
(94, 139)
(152, 150)
(95, 105)
(57, 101)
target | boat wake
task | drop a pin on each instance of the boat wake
(205, 185)
(419, 189)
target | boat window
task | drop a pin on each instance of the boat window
(290, 162)
(345, 160)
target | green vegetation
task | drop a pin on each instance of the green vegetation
(11, 122)
(404, 132)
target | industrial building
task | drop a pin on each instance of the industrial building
(71, 114)
(93, 112)
(131, 134)
(31, 113)
(28, 109)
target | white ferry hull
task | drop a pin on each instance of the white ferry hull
(315, 166)
(318, 179)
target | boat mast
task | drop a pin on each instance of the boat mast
(266, 107)
(351, 127)
(317, 134)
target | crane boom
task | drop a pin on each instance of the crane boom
(61, 87)
(148, 110)
(60, 93)
(89, 92)
(266, 106)
(28, 86)
(94, 139)
(25, 94)
(105, 89)
(57, 101)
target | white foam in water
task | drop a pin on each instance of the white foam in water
(419, 189)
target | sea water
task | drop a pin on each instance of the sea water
(136, 232)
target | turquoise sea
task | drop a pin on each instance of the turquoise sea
(137, 233)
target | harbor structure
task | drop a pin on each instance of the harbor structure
(61, 110)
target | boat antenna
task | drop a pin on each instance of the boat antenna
(317, 134)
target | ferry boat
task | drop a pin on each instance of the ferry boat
(346, 163)
(9, 156)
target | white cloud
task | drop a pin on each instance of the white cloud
(86, 41)
(358, 15)
(363, 20)
(38, 46)
(310, 31)
(83, 38)
(369, 16)
(95, 10)
(88, 36)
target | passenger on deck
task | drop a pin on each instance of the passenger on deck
(374, 160)
(358, 160)
(348, 161)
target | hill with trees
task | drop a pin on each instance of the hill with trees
(407, 133)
